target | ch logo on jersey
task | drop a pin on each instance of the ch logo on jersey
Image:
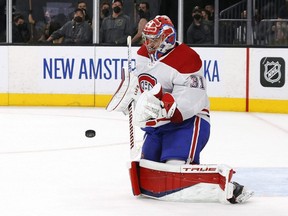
(272, 72)
(147, 82)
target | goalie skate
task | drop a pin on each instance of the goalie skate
(240, 194)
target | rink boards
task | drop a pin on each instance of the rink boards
(238, 79)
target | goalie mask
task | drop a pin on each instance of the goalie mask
(159, 36)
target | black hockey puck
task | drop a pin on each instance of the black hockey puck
(90, 133)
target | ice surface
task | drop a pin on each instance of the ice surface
(49, 168)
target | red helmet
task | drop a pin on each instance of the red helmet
(160, 27)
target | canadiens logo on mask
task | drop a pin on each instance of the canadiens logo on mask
(146, 82)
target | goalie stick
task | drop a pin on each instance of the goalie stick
(130, 108)
(127, 92)
(132, 165)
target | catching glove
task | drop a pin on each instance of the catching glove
(154, 109)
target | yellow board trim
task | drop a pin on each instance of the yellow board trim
(4, 99)
(228, 104)
(51, 100)
(85, 100)
(102, 100)
(90, 100)
(268, 106)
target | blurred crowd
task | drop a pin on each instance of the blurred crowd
(72, 23)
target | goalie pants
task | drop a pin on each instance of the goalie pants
(182, 141)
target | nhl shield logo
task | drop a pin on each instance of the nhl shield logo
(272, 72)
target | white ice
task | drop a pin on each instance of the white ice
(49, 168)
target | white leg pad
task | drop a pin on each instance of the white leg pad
(196, 183)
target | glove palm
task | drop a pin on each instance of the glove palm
(154, 109)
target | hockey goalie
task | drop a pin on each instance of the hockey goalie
(168, 90)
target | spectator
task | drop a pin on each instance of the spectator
(199, 32)
(20, 31)
(49, 29)
(210, 8)
(116, 27)
(75, 31)
(144, 17)
(104, 11)
(42, 29)
(37, 27)
(83, 6)
(206, 15)
(241, 29)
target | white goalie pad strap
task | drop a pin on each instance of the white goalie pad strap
(127, 92)
(227, 172)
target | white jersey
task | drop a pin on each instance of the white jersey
(180, 73)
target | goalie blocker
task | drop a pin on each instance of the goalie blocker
(204, 183)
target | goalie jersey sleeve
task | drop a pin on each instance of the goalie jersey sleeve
(180, 73)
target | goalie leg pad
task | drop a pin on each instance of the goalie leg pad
(185, 182)
(161, 183)
(134, 177)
